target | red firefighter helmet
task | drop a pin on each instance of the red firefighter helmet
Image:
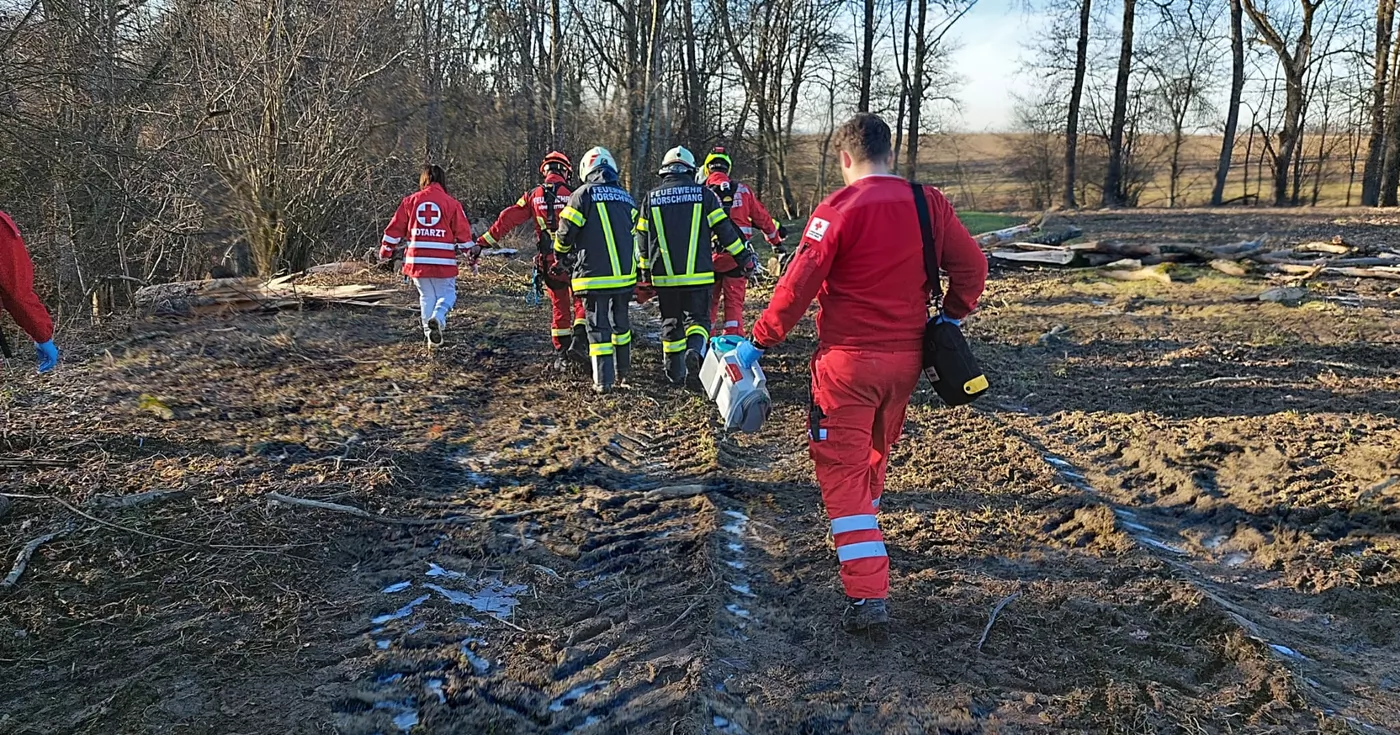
(556, 162)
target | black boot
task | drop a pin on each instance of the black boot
(622, 358)
(675, 368)
(579, 344)
(561, 360)
(604, 374)
(870, 616)
(694, 357)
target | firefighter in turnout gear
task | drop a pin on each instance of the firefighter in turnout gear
(543, 204)
(681, 227)
(595, 241)
(747, 213)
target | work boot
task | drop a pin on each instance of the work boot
(675, 368)
(604, 374)
(871, 616)
(622, 357)
(561, 363)
(434, 332)
(579, 344)
(694, 356)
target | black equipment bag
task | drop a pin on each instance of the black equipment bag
(948, 362)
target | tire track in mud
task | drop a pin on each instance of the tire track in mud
(1319, 677)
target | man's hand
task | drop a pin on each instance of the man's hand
(47, 355)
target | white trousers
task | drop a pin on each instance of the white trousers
(436, 297)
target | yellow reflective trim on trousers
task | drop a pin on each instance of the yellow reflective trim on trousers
(561, 332)
(735, 247)
(716, 217)
(588, 284)
(580, 321)
(697, 329)
(623, 339)
(572, 215)
(698, 279)
(677, 346)
(608, 235)
(661, 238)
(694, 239)
(597, 350)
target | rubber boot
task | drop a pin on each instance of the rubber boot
(675, 368)
(622, 355)
(694, 357)
(579, 344)
(604, 374)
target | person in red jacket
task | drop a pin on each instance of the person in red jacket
(17, 294)
(543, 204)
(747, 212)
(436, 230)
(861, 257)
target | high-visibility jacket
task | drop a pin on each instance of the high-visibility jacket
(746, 210)
(17, 284)
(595, 234)
(542, 203)
(862, 258)
(435, 228)
(681, 226)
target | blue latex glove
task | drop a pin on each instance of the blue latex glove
(747, 354)
(48, 356)
(945, 319)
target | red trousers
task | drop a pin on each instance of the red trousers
(858, 402)
(731, 291)
(566, 312)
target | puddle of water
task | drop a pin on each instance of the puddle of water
(1161, 545)
(734, 609)
(417, 628)
(493, 597)
(437, 571)
(405, 713)
(1124, 513)
(1285, 650)
(1135, 526)
(479, 664)
(435, 687)
(1057, 461)
(400, 613)
(382, 644)
(736, 548)
(389, 678)
(574, 695)
(396, 587)
(1236, 559)
(735, 564)
(724, 725)
(742, 589)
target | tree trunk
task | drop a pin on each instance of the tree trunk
(1375, 149)
(1288, 137)
(1076, 95)
(904, 87)
(867, 56)
(1113, 191)
(1232, 115)
(556, 67)
(1390, 171)
(693, 122)
(916, 95)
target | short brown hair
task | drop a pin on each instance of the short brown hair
(432, 174)
(866, 137)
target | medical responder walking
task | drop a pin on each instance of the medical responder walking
(861, 256)
(543, 204)
(682, 226)
(437, 230)
(595, 241)
(17, 294)
(747, 212)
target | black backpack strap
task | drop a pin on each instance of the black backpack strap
(931, 269)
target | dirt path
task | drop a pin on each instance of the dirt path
(1162, 542)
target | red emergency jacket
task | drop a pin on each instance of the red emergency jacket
(17, 284)
(531, 204)
(436, 229)
(747, 212)
(861, 257)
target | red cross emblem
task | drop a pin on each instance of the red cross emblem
(428, 214)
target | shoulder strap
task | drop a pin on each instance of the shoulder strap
(551, 216)
(931, 269)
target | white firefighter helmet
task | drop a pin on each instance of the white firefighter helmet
(678, 160)
(594, 159)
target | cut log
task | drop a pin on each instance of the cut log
(1059, 256)
(1391, 274)
(1330, 248)
(1229, 267)
(247, 294)
(1008, 234)
(1141, 274)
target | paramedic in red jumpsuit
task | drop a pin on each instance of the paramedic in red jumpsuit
(861, 257)
(17, 294)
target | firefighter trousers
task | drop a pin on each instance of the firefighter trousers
(685, 325)
(731, 292)
(859, 399)
(567, 311)
(609, 332)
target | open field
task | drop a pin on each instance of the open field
(1196, 498)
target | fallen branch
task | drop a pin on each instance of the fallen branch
(392, 520)
(993, 619)
(27, 552)
(671, 492)
(112, 502)
(36, 462)
(1144, 274)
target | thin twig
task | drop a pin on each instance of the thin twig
(158, 537)
(500, 619)
(366, 515)
(22, 560)
(992, 620)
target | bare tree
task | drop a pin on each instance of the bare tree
(1232, 113)
(1375, 148)
(1114, 193)
(1294, 58)
(1076, 96)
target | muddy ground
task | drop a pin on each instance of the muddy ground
(1191, 502)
